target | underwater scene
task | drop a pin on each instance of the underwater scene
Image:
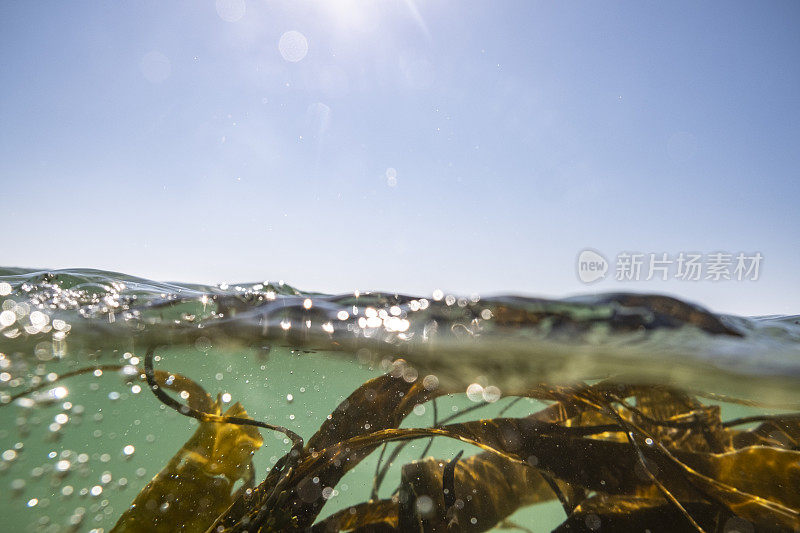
(130, 405)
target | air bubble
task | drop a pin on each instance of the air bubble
(475, 392)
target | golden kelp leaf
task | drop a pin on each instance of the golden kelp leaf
(704, 477)
(769, 473)
(670, 416)
(663, 403)
(677, 420)
(197, 483)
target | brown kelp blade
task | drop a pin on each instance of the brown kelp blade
(380, 403)
(197, 483)
(660, 312)
(486, 489)
(373, 515)
(621, 513)
(653, 452)
(294, 500)
(615, 468)
(754, 482)
(782, 431)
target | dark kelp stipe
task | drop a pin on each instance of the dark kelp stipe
(618, 458)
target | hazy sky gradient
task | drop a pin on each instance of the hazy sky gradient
(162, 140)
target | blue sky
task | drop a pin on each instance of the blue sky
(174, 140)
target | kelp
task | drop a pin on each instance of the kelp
(657, 312)
(207, 467)
(291, 497)
(484, 490)
(617, 456)
(615, 513)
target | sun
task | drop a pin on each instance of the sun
(351, 14)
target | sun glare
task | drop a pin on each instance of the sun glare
(351, 14)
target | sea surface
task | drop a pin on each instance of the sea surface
(81, 434)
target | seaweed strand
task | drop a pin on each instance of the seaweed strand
(166, 399)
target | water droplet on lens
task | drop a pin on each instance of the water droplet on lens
(293, 46)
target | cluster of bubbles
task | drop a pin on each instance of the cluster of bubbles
(85, 478)
(66, 474)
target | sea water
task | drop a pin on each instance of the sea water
(77, 449)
